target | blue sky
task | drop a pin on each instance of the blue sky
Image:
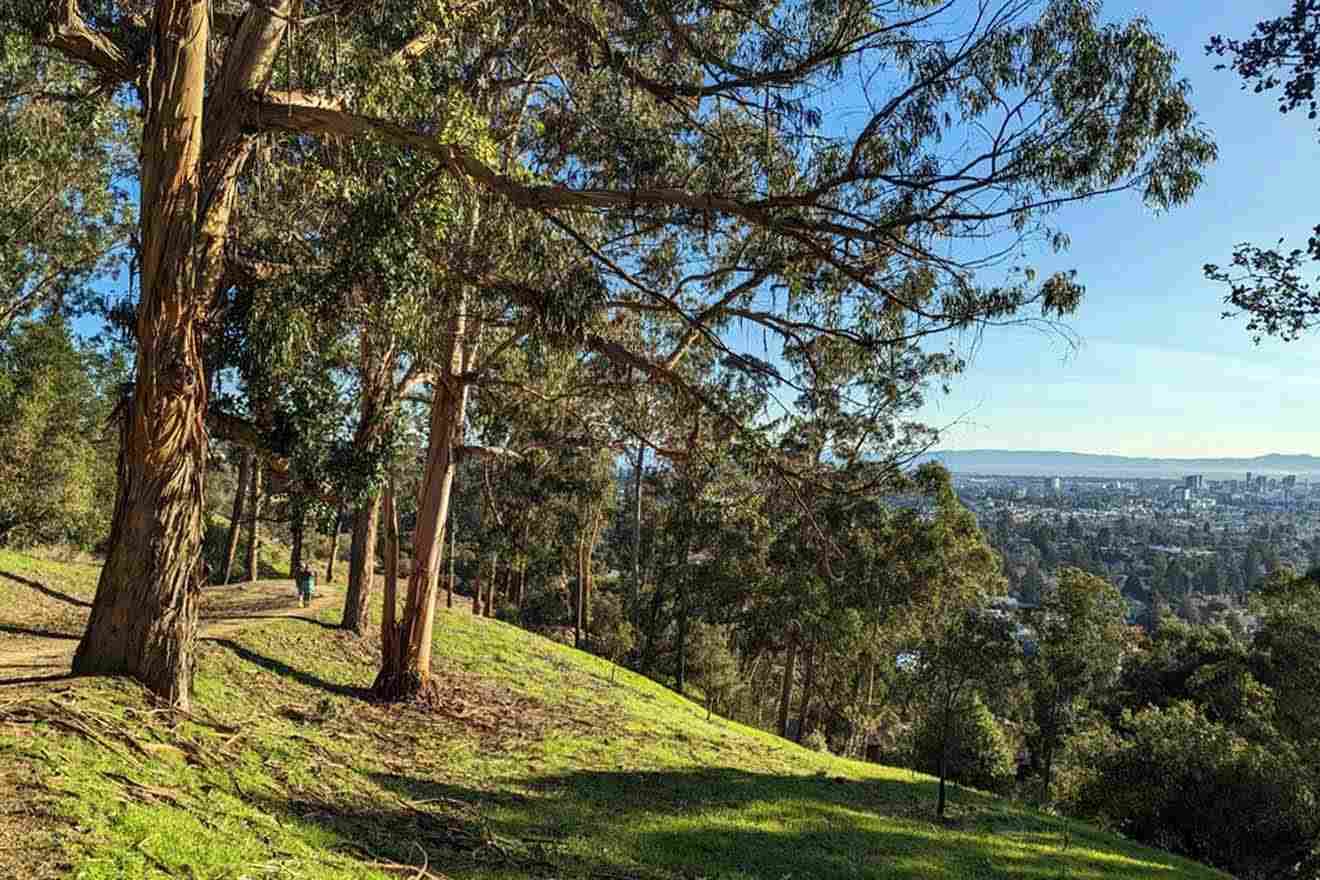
(1158, 372)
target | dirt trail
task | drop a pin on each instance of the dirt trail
(226, 610)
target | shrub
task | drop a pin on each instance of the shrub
(1177, 780)
(712, 665)
(980, 752)
(817, 741)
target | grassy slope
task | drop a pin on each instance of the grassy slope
(534, 764)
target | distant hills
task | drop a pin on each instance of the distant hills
(983, 462)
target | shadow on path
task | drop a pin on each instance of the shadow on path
(232, 618)
(37, 633)
(37, 679)
(45, 590)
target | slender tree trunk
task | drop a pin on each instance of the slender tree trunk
(334, 545)
(254, 539)
(786, 687)
(652, 631)
(808, 691)
(453, 543)
(236, 515)
(489, 607)
(406, 672)
(634, 609)
(297, 528)
(943, 761)
(589, 575)
(361, 565)
(389, 627)
(522, 584)
(680, 678)
(577, 597)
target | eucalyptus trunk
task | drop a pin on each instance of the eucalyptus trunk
(389, 628)
(144, 618)
(297, 529)
(361, 565)
(633, 605)
(786, 688)
(334, 545)
(808, 691)
(236, 516)
(453, 543)
(254, 540)
(405, 671)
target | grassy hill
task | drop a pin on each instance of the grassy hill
(534, 764)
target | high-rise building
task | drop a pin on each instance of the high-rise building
(1195, 482)
(1290, 481)
(1056, 485)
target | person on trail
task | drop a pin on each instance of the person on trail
(306, 582)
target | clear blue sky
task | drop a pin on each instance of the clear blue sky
(1158, 371)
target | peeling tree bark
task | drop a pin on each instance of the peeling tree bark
(144, 618)
(405, 673)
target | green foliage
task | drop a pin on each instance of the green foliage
(612, 635)
(979, 752)
(57, 452)
(1178, 780)
(1080, 636)
(713, 666)
(817, 740)
(1270, 285)
(63, 146)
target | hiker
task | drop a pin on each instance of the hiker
(306, 582)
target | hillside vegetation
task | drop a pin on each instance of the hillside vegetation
(537, 760)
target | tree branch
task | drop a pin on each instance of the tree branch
(67, 32)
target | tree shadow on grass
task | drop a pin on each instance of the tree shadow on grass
(286, 671)
(302, 618)
(36, 679)
(45, 590)
(37, 633)
(720, 822)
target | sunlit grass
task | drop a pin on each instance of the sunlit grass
(533, 765)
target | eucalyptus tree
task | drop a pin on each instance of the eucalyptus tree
(674, 146)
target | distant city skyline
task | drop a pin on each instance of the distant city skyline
(1158, 372)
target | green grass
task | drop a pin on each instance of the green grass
(533, 765)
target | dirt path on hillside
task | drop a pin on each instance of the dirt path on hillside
(44, 654)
